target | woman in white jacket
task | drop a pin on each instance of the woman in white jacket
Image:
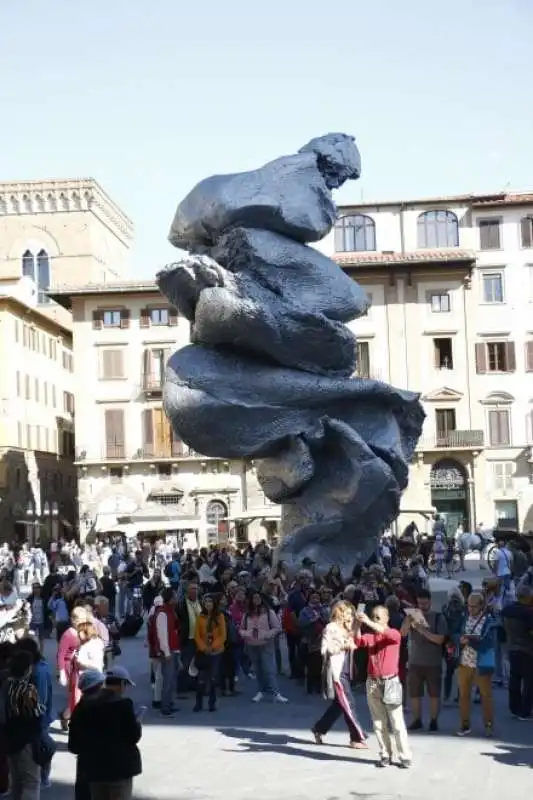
(337, 655)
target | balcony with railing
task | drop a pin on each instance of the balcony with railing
(453, 440)
(152, 383)
(119, 453)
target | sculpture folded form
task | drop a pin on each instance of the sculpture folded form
(268, 373)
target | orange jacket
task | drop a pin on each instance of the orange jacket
(218, 634)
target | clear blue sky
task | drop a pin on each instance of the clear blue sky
(149, 97)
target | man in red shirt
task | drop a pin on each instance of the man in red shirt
(383, 686)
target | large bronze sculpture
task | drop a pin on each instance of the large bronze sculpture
(268, 375)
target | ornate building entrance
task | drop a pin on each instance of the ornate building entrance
(449, 494)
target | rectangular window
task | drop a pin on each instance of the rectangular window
(154, 368)
(489, 234)
(37, 437)
(492, 287)
(68, 403)
(495, 357)
(506, 513)
(45, 393)
(114, 433)
(439, 302)
(158, 316)
(46, 440)
(27, 390)
(17, 331)
(54, 397)
(445, 424)
(28, 437)
(112, 364)
(369, 295)
(20, 434)
(499, 427)
(526, 232)
(443, 353)
(19, 383)
(157, 436)
(164, 471)
(67, 360)
(111, 318)
(36, 395)
(502, 476)
(362, 369)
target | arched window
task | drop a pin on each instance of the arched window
(356, 233)
(215, 513)
(43, 275)
(438, 229)
(28, 265)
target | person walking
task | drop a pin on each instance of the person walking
(66, 662)
(384, 692)
(337, 650)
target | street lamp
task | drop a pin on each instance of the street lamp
(32, 521)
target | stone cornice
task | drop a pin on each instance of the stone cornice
(18, 198)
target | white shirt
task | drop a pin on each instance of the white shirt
(504, 563)
(91, 655)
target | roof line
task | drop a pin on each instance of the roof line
(474, 199)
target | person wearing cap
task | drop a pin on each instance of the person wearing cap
(104, 733)
(89, 684)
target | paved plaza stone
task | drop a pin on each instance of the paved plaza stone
(265, 752)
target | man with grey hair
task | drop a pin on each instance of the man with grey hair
(518, 623)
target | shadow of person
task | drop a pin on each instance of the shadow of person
(251, 741)
(513, 756)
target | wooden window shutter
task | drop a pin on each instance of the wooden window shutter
(481, 358)
(172, 316)
(510, 357)
(124, 318)
(529, 356)
(159, 434)
(144, 319)
(119, 363)
(494, 427)
(148, 432)
(147, 369)
(97, 320)
(107, 364)
(114, 432)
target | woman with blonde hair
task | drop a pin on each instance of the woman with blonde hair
(66, 667)
(337, 666)
(90, 653)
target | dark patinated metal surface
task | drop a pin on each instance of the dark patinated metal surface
(268, 373)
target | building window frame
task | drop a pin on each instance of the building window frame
(492, 274)
(502, 423)
(526, 232)
(358, 230)
(435, 300)
(436, 229)
(488, 240)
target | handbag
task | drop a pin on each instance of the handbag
(392, 692)
(43, 749)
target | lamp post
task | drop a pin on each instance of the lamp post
(46, 515)
(55, 515)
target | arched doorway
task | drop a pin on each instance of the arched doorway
(449, 494)
(216, 514)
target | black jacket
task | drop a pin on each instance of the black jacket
(103, 733)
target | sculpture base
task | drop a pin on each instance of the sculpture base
(327, 543)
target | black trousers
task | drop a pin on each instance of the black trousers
(293, 646)
(314, 672)
(227, 670)
(520, 683)
(342, 705)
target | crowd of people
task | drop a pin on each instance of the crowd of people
(218, 616)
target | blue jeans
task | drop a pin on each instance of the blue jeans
(263, 658)
(169, 671)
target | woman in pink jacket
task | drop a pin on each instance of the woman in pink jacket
(66, 662)
(259, 628)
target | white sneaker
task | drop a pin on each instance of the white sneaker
(258, 697)
(278, 698)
